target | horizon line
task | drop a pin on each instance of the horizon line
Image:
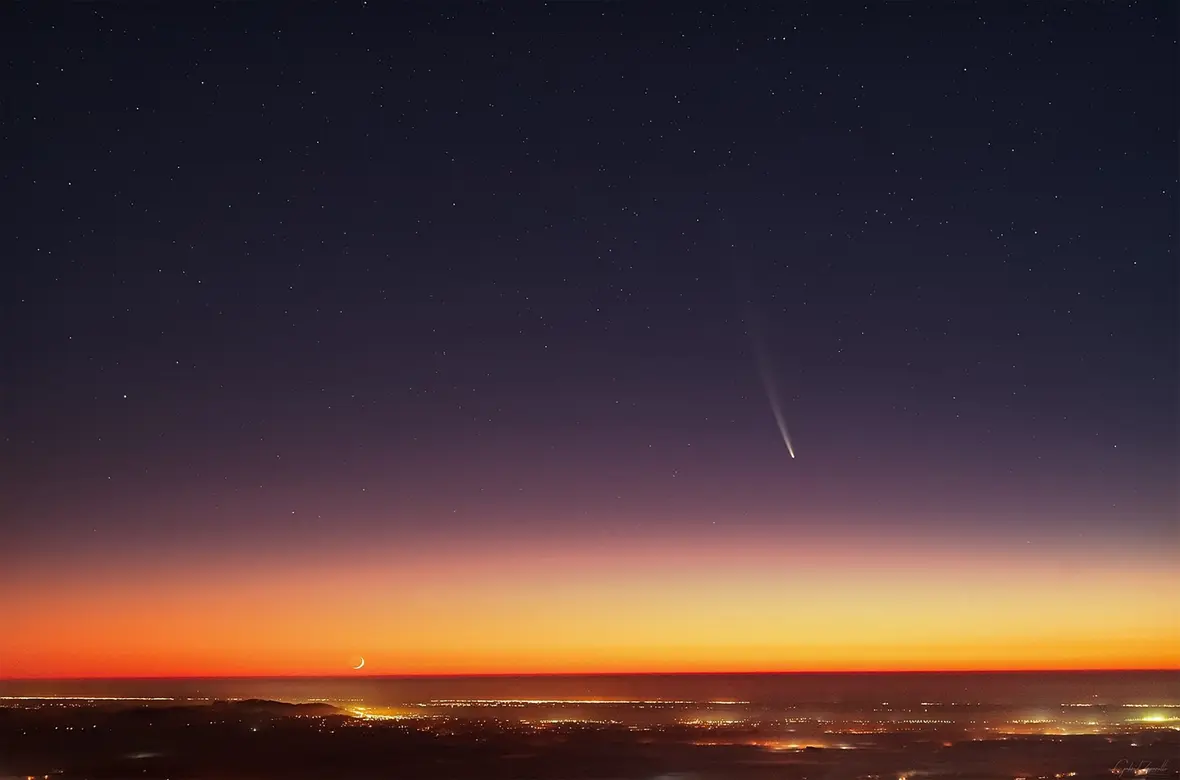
(485, 675)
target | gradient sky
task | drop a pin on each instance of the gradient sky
(428, 336)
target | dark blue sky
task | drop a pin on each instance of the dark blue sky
(458, 268)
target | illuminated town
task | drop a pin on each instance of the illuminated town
(547, 736)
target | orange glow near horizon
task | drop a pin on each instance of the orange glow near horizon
(736, 608)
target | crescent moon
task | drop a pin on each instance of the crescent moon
(361, 665)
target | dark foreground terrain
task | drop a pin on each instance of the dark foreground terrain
(261, 739)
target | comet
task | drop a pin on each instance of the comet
(772, 397)
(766, 372)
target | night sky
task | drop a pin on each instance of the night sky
(430, 333)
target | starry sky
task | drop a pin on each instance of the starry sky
(432, 334)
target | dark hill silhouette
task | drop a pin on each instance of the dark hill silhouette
(230, 710)
(278, 708)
